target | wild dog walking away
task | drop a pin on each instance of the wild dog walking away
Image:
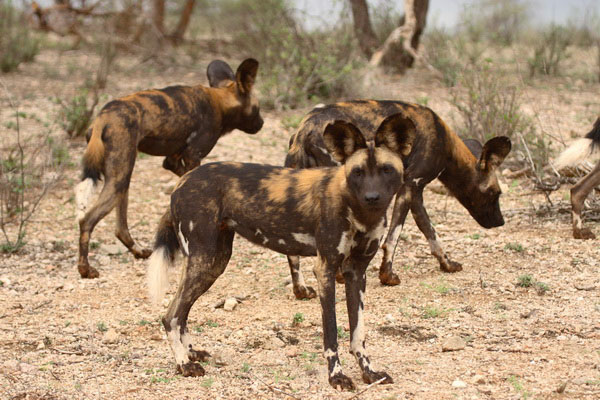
(337, 214)
(467, 169)
(579, 150)
(182, 123)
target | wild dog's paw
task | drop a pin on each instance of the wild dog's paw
(87, 272)
(372, 376)
(583, 233)
(304, 292)
(198, 355)
(141, 253)
(451, 266)
(389, 278)
(341, 382)
(191, 369)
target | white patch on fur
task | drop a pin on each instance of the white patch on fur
(355, 223)
(576, 152)
(231, 223)
(396, 234)
(436, 247)
(305, 238)
(358, 336)
(185, 244)
(378, 231)
(84, 192)
(345, 244)
(320, 105)
(417, 180)
(157, 276)
(281, 241)
(175, 340)
(191, 137)
(577, 221)
(329, 353)
(191, 226)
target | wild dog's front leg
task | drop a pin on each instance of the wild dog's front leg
(386, 274)
(424, 224)
(355, 276)
(301, 291)
(325, 274)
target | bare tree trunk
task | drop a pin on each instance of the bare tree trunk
(367, 40)
(184, 20)
(408, 35)
(158, 15)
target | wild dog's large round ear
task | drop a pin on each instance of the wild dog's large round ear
(246, 75)
(397, 132)
(218, 72)
(474, 146)
(342, 139)
(494, 152)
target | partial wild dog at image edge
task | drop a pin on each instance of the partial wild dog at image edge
(337, 214)
(575, 153)
(466, 168)
(182, 123)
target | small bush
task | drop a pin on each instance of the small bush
(296, 66)
(525, 281)
(17, 44)
(496, 21)
(29, 167)
(550, 51)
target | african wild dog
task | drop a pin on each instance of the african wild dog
(337, 214)
(437, 152)
(580, 149)
(182, 123)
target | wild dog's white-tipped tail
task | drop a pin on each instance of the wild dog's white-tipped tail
(84, 191)
(157, 275)
(576, 152)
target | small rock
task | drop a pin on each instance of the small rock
(11, 365)
(41, 346)
(5, 281)
(156, 337)
(110, 336)
(459, 384)
(561, 388)
(389, 318)
(274, 343)
(453, 343)
(479, 379)
(230, 304)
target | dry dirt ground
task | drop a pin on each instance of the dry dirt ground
(62, 337)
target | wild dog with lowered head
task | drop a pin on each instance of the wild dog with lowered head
(580, 149)
(337, 214)
(466, 168)
(182, 123)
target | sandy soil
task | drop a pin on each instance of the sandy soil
(62, 337)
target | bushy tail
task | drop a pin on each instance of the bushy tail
(580, 149)
(93, 160)
(166, 246)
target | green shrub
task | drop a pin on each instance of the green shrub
(75, 114)
(17, 44)
(550, 51)
(296, 66)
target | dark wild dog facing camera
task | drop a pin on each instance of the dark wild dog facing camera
(337, 214)
(467, 169)
(182, 123)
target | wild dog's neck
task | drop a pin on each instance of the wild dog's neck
(226, 106)
(459, 174)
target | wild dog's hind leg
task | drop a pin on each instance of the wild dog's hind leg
(301, 291)
(207, 261)
(355, 277)
(424, 224)
(386, 274)
(123, 230)
(103, 205)
(579, 193)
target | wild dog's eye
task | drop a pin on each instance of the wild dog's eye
(387, 169)
(357, 172)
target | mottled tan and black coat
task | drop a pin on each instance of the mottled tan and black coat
(182, 123)
(466, 168)
(337, 214)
